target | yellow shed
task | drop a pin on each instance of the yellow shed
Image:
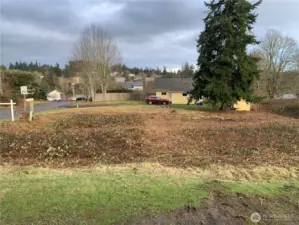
(174, 89)
(242, 105)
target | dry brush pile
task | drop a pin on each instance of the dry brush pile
(225, 138)
(79, 139)
(173, 138)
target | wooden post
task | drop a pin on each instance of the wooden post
(31, 111)
(24, 103)
(12, 111)
(31, 103)
(11, 103)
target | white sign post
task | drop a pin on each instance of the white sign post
(11, 109)
(24, 92)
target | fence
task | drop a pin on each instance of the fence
(121, 96)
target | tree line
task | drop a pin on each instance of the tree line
(187, 70)
(43, 78)
(70, 69)
(12, 80)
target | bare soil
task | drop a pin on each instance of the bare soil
(127, 134)
(221, 208)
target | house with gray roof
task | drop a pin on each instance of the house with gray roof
(174, 89)
(136, 85)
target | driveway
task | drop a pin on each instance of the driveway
(5, 112)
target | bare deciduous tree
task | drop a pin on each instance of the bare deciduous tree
(97, 52)
(278, 54)
(297, 62)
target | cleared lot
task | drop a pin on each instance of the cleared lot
(126, 134)
(125, 164)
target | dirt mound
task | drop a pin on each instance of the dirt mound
(221, 208)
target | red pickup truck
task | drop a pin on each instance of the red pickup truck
(152, 99)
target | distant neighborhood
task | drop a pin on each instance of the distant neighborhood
(53, 83)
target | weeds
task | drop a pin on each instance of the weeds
(173, 139)
(89, 121)
(77, 139)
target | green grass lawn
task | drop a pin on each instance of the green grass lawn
(88, 197)
(206, 106)
(73, 197)
(132, 102)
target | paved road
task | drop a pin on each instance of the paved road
(5, 112)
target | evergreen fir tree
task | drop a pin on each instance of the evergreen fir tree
(158, 70)
(57, 71)
(31, 66)
(186, 71)
(11, 66)
(226, 72)
(164, 72)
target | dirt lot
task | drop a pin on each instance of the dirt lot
(256, 146)
(126, 134)
(222, 208)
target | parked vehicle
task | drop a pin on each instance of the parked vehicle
(152, 99)
(81, 99)
(78, 99)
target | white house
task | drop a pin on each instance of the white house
(120, 79)
(54, 95)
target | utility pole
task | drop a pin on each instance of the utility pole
(73, 88)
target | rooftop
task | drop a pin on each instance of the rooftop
(132, 84)
(174, 84)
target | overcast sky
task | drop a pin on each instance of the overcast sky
(149, 32)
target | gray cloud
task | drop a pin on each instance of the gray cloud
(149, 32)
(34, 49)
(55, 14)
(278, 13)
(141, 20)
